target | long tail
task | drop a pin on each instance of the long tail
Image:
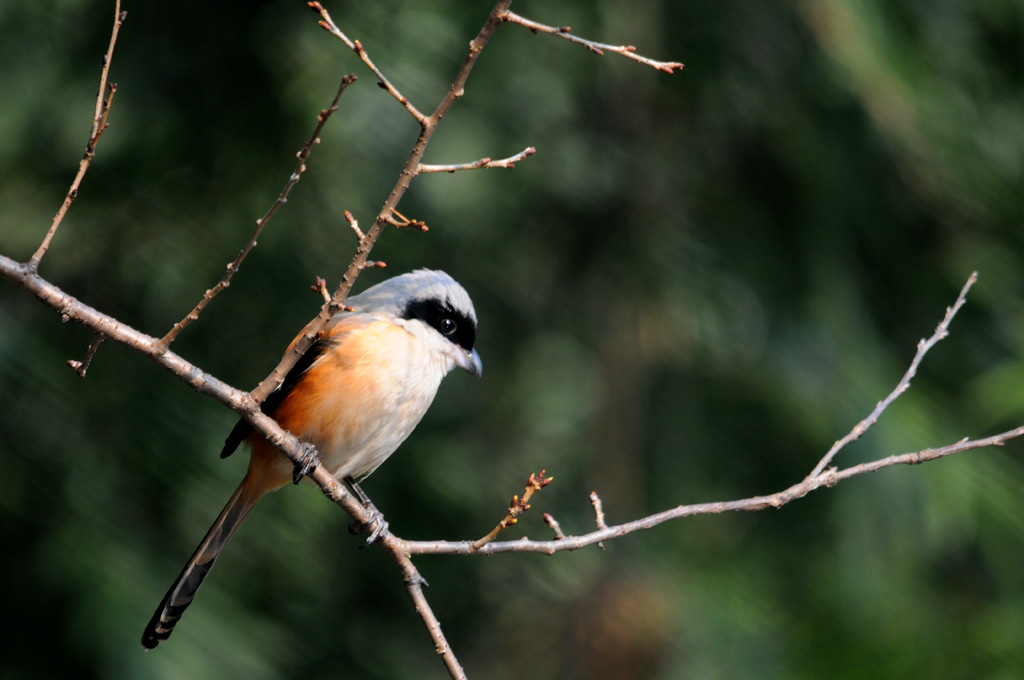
(184, 588)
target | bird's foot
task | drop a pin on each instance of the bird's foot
(307, 463)
(375, 518)
(377, 521)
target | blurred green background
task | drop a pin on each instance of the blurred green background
(698, 283)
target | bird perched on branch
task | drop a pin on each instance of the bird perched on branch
(355, 395)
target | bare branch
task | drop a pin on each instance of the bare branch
(821, 477)
(777, 500)
(509, 162)
(327, 23)
(941, 331)
(282, 198)
(104, 98)
(597, 48)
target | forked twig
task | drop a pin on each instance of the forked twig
(428, 124)
(828, 478)
(80, 367)
(941, 331)
(518, 506)
(822, 476)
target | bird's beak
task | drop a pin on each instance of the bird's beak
(469, 362)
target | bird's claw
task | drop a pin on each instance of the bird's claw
(417, 580)
(375, 516)
(376, 520)
(307, 463)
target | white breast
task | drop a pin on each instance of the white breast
(378, 398)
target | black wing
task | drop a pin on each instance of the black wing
(242, 429)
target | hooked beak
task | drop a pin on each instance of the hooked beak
(469, 362)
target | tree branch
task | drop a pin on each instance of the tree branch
(819, 477)
(941, 331)
(827, 478)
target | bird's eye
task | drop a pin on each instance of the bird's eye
(448, 326)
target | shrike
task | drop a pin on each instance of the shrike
(355, 395)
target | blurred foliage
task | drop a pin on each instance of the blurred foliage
(698, 283)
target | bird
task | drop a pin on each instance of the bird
(355, 395)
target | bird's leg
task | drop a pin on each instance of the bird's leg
(375, 516)
(307, 463)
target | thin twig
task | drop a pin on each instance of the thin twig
(353, 223)
(104, 98)
(941, 331)
(282, 198)
(598, 506)
(595, 501)
(320, 286)
(555, 526)
(509, 162)
(597, 48)
(80, 367)
(518, 506)
(327, 23)
(397, 219)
